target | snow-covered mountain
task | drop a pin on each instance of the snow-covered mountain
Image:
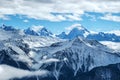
(76, 31)
(101, 36)
(78, 56)
(47, 58)
(51, 58)
(38, 31)
(79, 30)
(35, 30)
(16, 51)
(7, 28)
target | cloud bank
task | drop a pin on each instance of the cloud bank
(111, 17)
(8, 72)
(65, 9)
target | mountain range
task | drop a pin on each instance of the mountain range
(75, 32)
(38, 31)
(35, 54)
(83, 32)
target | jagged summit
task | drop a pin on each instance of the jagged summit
(74, 31)
(78, 32)
(101, 36)
(7, 28)
(35, 30)
(38, 31)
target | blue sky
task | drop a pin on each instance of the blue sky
(96, 15)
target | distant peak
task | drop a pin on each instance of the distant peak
(7, 28)
(77, 30)
(38, 31)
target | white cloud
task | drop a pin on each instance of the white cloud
(113, 45)
(117, 32)
(73, 17)
(43, 9)
(26, 21)
(8, 72)
(4, 17)
(79, 27)
(92, 17)
(111, 17)
(94, 32)
(73, 26)
(36, 28)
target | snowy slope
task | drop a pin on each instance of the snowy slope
(5, 35)
(23, 44)
(16, 50)
(77, 54)
(37, 41)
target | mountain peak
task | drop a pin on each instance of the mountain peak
(74, 31)
(38, 31)
(78, 30)
(7, 28)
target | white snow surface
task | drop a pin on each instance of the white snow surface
(5, 35)
(37, 41)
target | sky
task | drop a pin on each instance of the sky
(58, 15)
